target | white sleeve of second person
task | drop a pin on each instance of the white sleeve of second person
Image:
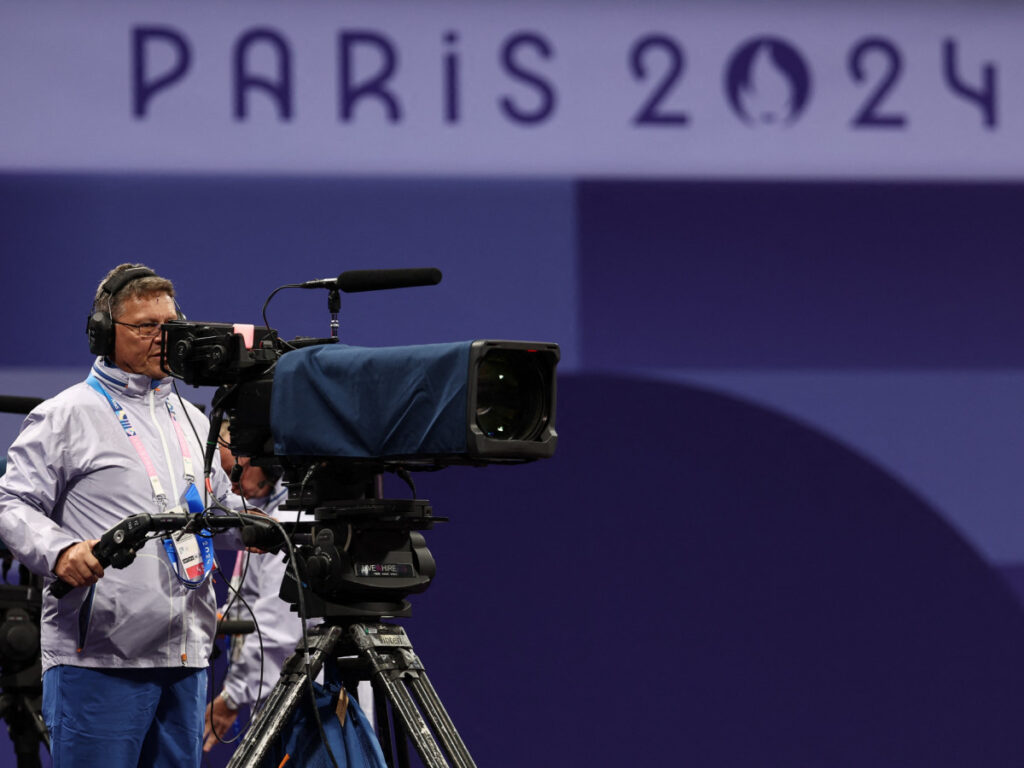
(279, 628)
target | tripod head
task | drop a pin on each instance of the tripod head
(362, 556)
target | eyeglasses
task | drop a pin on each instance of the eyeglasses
(143, 330)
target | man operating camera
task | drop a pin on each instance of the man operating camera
(124, 655)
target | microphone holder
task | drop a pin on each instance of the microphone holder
(334, 306)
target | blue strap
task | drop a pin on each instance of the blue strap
(204, 539)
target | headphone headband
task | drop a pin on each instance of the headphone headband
(121, 279)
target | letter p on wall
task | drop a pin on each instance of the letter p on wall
(160, 57)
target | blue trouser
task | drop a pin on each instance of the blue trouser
(124, 718)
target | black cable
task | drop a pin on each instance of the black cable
(237, 594)
(259, 634)
(245, 566)
(199, 440)
(267, 302)
(207, 472)
(181, 400)
(405, 475)
(212, 502)
(302, 490)
(207, 469)
(303, 618)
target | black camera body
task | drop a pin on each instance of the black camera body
(335, 417)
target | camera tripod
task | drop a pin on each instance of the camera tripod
(21, 686)
(365, 556)
(382, 654)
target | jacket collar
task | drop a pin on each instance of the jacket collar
(127, 384)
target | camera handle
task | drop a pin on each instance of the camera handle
(118, 546)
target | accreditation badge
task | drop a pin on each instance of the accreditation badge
(189, 555)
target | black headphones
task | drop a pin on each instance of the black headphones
(100, 327)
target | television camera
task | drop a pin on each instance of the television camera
(335, 418)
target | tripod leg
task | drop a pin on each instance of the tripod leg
(25, 726)
(383, 718)
(430, 702)
(276, 712)
(409, 720)
(395, 666)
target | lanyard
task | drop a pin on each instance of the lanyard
(191, 556)
(126, 424)
(186, 456)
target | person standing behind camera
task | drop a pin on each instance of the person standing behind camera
(256, 660)
(124, 655)
(258, 581)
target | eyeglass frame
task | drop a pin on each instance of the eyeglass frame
(154, 329)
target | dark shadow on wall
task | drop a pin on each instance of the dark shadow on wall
(694, 580)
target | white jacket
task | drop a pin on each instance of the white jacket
(72, 474)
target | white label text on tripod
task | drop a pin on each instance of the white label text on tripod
(397, 570)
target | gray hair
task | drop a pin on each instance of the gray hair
(141, 287)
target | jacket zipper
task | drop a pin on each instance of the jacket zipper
(174, 495)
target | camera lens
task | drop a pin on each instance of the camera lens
(511, 396)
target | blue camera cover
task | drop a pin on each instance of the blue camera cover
(371, 402)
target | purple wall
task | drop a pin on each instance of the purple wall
(702, 574)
